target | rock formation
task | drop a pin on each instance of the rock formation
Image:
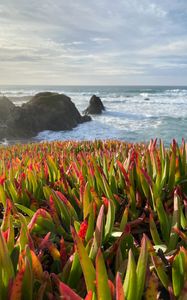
(95, 106)
(6, 106)
(45, 111)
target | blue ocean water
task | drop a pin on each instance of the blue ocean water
(133, 113)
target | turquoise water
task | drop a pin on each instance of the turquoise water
(133, 113)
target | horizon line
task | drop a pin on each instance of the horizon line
(98, 85)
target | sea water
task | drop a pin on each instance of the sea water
(133, 113)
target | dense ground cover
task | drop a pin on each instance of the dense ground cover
(93, 220)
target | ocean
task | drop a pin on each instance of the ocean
(133, 113)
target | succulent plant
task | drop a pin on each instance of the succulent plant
(93, 220)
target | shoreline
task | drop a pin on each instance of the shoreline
(128, 116)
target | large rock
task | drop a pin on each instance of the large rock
(95, 106)
(6, 106)
(45, 111)
(53, 112)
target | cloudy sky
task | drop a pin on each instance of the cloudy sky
(93, 42)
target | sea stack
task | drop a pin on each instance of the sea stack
(95, 106)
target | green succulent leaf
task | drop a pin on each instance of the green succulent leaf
(102, 287)
(86, 263)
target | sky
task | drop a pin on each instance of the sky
(98, 42)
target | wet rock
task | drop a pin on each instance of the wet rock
(6, 106)
(95, 106)
(45, 111)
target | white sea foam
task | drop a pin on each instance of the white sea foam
(145, 95)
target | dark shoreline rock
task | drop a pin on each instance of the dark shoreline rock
(6, 107)
(95, 106)
(45, 111)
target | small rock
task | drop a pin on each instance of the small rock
(95, 106)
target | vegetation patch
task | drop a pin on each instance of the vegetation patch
(93, 220)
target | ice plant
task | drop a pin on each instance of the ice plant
(93, 220)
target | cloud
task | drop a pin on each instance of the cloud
(100, 39)
(92, 42)
(178, 47)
